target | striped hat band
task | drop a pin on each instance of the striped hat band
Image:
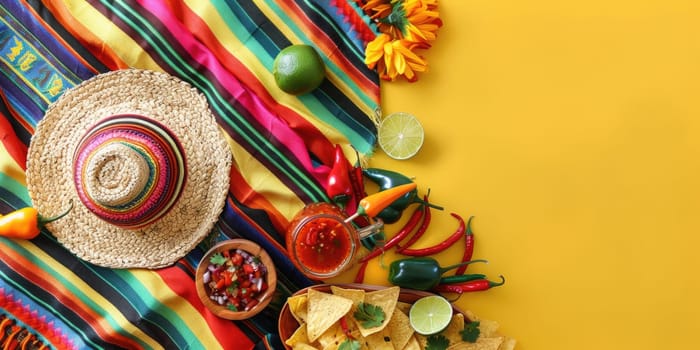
(129, 170)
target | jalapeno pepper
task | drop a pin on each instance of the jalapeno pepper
(387, 179)
(26, 223)
(419, 273)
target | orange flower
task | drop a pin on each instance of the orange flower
(414, 20)
(393, 58)
(423, 20)
(405, 26)
(377, 8)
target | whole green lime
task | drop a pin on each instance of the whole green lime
(298, 69)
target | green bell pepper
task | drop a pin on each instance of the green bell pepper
(419, 273)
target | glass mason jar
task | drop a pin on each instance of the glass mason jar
(321, 244)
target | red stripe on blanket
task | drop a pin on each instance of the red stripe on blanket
(314, 139)
(15, 148)
(51, 285)
(225, 331)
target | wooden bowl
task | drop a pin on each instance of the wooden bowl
(288, 324)
(204, 291)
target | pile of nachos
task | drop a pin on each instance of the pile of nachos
(357, 319)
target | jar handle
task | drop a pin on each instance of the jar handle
(369, 230)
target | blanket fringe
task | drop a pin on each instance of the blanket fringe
(15, 337)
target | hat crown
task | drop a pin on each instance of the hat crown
(129, 170)
(116, 175)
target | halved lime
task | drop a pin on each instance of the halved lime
(430, 315)
(400, 135)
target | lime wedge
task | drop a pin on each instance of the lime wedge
(400, 135)
(430, 315)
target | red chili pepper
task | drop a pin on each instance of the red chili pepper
(360, 277)
(345, 328)
(338, 186)
(421, 230)
(470, 286)
(358, 183)
(440, 246)
(468, 247)
(358, 188)
(399, 236)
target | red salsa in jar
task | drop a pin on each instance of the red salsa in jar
(321, 244)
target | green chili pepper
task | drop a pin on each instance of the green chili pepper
(462, 278)
(387, 179)
(419, 273)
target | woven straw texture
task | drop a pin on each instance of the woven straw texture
(162, 98)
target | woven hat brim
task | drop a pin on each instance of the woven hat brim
(158, 96)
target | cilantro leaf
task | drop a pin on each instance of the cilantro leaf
(369, 315)
(349, 344)
(217, 259)
(471, 332)
(437, 342)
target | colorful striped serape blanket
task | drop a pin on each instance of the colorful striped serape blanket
(282, 147)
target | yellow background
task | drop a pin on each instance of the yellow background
(571, 131)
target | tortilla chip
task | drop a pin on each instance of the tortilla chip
(299, 336)
(454, 329)
(356, 295)
(297, 307)
(386, 299)
(303, 346)
(334, 335)
(481, 344)
(380, 340)
(488, 328)
(412, 344)
(324, 310)
(400, 329)
(422, 340)
(355, 333)
(403, 306)
(471, 316)
(508, 344)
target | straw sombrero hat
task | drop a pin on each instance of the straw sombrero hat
(140, 158)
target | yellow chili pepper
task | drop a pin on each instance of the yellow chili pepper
(374, 203)
(25, 223)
